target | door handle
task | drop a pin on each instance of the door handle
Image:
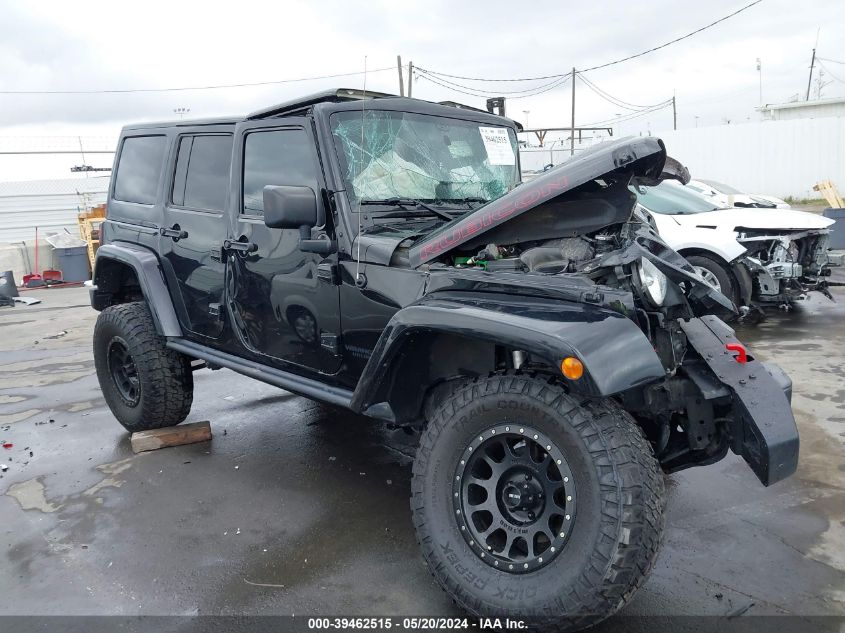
(239, 247)
(175, 232)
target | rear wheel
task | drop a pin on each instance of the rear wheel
(528, 501)
(146, 385)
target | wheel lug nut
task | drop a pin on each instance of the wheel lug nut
(527, 477)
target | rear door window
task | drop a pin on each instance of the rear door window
(139, 168)
(201, 179)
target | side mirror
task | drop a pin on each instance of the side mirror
(287, 207)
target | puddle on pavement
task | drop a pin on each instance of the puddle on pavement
(11, 418)
(80, 406)
(111, 481)
(30, 495)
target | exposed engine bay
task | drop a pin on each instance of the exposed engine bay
(786, 266)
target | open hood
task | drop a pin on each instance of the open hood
(566, 197)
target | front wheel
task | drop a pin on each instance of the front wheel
(715, 275)
(146, 384)
(530, 502)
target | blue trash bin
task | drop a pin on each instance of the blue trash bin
(73, 262)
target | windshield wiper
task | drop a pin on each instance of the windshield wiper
(410, 202)
(466, 201)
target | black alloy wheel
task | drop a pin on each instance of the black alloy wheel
(123, 372)
(514, 498)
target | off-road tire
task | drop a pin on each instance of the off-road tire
(726, 280)
(166, 384)
(617, 528)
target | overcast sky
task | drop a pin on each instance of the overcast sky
(113, 45)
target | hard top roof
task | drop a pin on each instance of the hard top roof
(338, 96)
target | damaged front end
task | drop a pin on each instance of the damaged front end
(574, 227)
(785, 266)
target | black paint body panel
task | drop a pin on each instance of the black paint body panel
(765, 434)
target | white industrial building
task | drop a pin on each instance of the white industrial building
(804, 109)
(51, 206)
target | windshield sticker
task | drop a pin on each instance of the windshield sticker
(498, 145)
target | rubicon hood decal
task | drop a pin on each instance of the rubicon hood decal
(630, 158)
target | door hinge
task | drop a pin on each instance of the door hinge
(330, 342)
(328, 272)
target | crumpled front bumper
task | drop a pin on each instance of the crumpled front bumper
(763, 429)
(786, 279)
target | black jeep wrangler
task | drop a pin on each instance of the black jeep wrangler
(381, 254)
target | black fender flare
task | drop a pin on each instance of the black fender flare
(151, 279)
(616, 354)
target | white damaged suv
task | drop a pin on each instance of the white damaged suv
(754, 256)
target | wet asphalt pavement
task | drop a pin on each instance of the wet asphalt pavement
(296, 507)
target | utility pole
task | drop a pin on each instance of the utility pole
(674, 113)
(810, 80)
(572, 129)
(401, 79)
(410, 78)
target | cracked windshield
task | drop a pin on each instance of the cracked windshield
(413, 158)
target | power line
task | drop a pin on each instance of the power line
(827, 70)
(217, 87)
(633, 115)
(828, 59)
(614, 100)
(548, 87)
(617, 61)
(491, 92)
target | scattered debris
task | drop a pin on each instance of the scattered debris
(27, 301)
(238, 531)
(57, 335)
(363, 474)
(171, 436)
(332, 458)
(263, 584)
(7, 445)
(237, 467)
(389, 482)
(735, 613)
(3, 467)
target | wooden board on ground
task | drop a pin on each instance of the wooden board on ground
(171, 436)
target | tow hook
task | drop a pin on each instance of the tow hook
(741, 353)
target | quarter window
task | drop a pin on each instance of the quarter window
(276, 157)
(201, 180)
(138, 169)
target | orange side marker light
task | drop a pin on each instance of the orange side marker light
(572, 368)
